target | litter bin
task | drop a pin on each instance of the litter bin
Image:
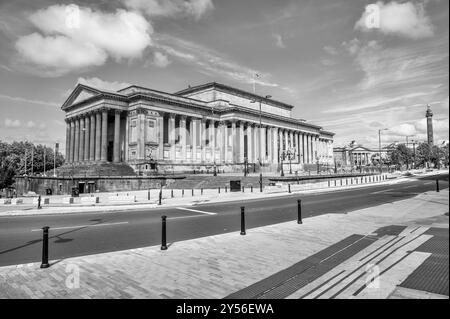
(75, 192)
(48, 191)
(235, 186)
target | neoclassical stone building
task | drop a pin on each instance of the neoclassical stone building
(196, 127)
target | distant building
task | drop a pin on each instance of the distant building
(357, 155)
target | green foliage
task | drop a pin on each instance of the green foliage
(400, 155)
(13, 157)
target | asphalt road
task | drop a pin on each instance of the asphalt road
(96, 232)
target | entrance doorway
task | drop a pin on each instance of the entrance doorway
(81, 187)
(110, 151)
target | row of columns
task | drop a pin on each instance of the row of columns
(87, 137)
(360, 158)
(227, 139)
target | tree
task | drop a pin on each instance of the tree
(14, 156)
(400, 155)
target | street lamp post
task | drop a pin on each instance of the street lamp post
(379, 147)
(260, 139)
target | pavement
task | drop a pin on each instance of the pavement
(381, 251)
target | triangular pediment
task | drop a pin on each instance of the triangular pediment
(360, 148)
(79, 94)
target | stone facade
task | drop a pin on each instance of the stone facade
(203, 125)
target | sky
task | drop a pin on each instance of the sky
(350, 66)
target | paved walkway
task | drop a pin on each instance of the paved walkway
(222, 265)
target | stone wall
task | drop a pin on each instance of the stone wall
(61, 186)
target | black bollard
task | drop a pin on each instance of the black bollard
(437, 185)
(242, 220)
(243, 190)
(39, 202)
(163, 233)
(182, 193)
(148, 197)
(171, 193)
(225, 189)
(45, 263)
(289, 188)
(251, 188)
(201, 191)
(299, 211)
(219, 190)
(160, 197)
(192, 192)
(328, 183)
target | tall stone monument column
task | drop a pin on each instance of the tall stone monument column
(429, 116)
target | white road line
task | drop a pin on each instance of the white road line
(386, 190)
(410, 186)
(195, 211)
(83, 226)
(428, 183)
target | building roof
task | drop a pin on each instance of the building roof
(226, 88)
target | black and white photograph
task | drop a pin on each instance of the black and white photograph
(224, 158)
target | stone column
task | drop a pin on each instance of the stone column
(269, 144)
(263, 144)
(104, 147)
(116, 156)
(92, 139)
(183, 137)
(306, 147)
(256, 144)
(172, 137)
(194, 139)
(98, 135)
(233, 142)
(212, 139)
(221, 140)
(300, 148)
(275, 145)
(241, 142)
(87, 137)
(160, 137)
(286, 140)
(77, 141)
(203, 139)
(67, 155)
(82, 134)
(227, 141)
(249, 143)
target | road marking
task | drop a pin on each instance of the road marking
(195, 211)
(410, 186)
(83, 226)
(386, 190)
(429, 183)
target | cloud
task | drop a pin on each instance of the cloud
(102, 85)
(171, 8)
(330, 50)
(12, 123)
(352, 46)
(21, 99)
(209, 61)
(385, 67)
(73, 38)
(279, 40)
(160, 60)
(403, 19)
